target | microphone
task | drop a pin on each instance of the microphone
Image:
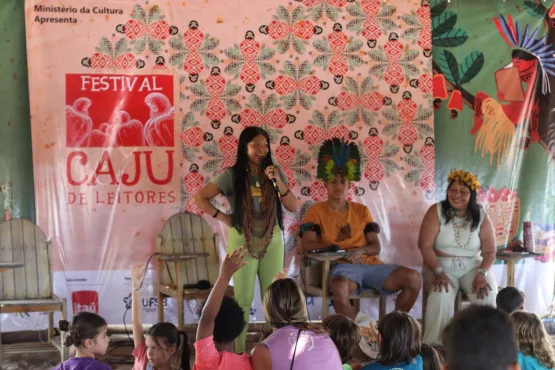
(274, 182)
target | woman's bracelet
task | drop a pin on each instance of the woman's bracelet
(216, 214)
(286, 193)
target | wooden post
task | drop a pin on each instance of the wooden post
(179, 298)
(325, 295)
(511, 273)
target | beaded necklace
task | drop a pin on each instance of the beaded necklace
(457, 228)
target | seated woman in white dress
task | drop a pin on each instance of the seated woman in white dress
(457, 242)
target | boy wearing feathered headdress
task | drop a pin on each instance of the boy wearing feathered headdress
(350, 226)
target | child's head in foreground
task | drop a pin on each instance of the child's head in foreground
(399, 338)
(87, 332)
(165, 344)
(229, 322)
(510, 299)
(345, 333)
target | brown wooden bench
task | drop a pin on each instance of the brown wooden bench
(28, 288)
(188, 251)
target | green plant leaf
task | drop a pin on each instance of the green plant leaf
(332, 12)
(188, 121)
(322, 60)
(424, 130)
(334, 118)
(443, 23)
(177, 43)
(271, 102)
(378, 70)
(449, 66)
(298, 45)
(354, 60)
(355, 11)
(212, 165)
(255, 102)
(210, 59)
(318, 118)
(410, 69)
(304, 100)
(409, 55)
(289, 101)
(105, 46)
(355, 25)
(199, 105)
(411, 20)
(283, 45)
(212, 150)
(304, 69)
(424, 114)
(289, 69)
(367, 117)
(154, 45)
(411, 33)
(387, 24)
(231, 89)
(470, 66)
(233, 68)
(377, 55)
(389, 151)
(387, 11)
(351, 85)
(353, 45)
(209, 43)
(233, 54)
(121, 46)
(282, 14)
(139, 13)
(302, 175)
(200, 90)
(389, 166)
(391, 129)
(322, 46)
(437, 7)
(177, 59)
(366, 85)
(266, 69)
(140, 45)
(450, 39)
(232, 105)
(413, 176)
(154, 14)
(298, 14)
(534, 9)
(351, 118)
(391, 114)
(265, 54)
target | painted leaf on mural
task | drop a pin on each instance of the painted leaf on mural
(449, 39)
(535, 9)
(437, 7)
(443, 23)
(471, 65)
(449, 66)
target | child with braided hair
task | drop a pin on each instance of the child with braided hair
(87, 332)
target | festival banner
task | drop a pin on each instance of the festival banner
(136, 105)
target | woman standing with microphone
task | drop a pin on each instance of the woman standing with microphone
(251, 187)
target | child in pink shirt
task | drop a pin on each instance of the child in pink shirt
(221, 321)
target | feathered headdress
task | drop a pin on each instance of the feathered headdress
(466, 177)
(338, 157)
(543, 51)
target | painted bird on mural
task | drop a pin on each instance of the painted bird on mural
(10, 208)
(534, 61)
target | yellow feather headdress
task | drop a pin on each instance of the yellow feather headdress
(466, 177)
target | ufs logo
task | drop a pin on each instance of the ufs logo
(85, 300)
(149, 304)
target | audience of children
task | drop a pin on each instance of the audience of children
(294, 343)
(477, 338)
(346, 335)
(164, 347)
(480, 338)
(535, 351)
(510, 299)
(222, 320)
(400, 340)
(88, 334)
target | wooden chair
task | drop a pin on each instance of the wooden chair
(188, 251)
(29, 288)
(323, 289)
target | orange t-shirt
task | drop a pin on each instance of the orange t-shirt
(207, 357)
(345, 229)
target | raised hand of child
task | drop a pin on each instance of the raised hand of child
(233, 262)
(137, 273)
(281, 275)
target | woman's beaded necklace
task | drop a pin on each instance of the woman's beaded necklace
(457, 228)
